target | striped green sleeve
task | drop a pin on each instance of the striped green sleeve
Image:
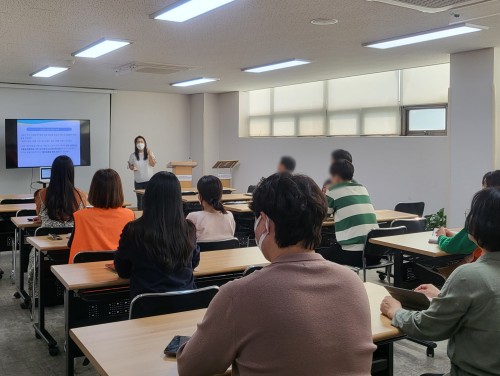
(457, 244)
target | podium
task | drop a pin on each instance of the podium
(184, 172)
(227, 177)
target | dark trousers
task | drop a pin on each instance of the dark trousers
(336, 254)
(139, 197)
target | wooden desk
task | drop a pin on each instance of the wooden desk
(225, 198)
(44, 243)
(26, 196)
(186, 190)
(77, 279)
(20, 256)
(413, 244)
(95, 275)
(135, 347)
(14, 208)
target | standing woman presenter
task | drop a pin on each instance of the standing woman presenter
(141, 161)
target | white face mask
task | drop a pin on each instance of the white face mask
(264, 235)
(140, 145)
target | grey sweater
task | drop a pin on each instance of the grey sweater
(301, 315)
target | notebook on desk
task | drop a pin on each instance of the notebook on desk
(409, 299)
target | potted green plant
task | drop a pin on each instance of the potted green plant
(436, 220)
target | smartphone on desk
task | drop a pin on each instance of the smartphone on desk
(54, 237)
(175, 344)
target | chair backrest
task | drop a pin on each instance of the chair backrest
(251, 269)
(416, 208)
(93, 256)
(412, 225)
(26, 213)
(11, 201)
(218, 246)
(146, 305)
(251, 188)
(189, 193)
(43, 231)
(379, 250)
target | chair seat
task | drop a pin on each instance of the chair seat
(382, 264)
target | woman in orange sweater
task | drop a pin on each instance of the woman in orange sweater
(99, 228)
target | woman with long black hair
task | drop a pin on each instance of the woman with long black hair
(56, 204)
(141, 161)
(158, 251)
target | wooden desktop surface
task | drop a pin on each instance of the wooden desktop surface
(135, 347)
(23, 222)
(44, 243)
(14, 208)
(96, 275)
(25, 196)
(225, 198)
(412, 243)
(184, 190)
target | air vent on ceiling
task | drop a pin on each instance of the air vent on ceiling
(151, 68)
(432, 6)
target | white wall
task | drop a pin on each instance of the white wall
(163, 119)
(49, 104)
(394, 169)
(472, 127)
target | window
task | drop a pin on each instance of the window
(425, 120)
(401, 102)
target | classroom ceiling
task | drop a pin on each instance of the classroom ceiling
(245, 33)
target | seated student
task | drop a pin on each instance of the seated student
(337, 155)
(158, 251)
(467, 310)
(213, 223)
(287, 164)
(56, 204)
(460, 243)
(353, 213)
(301, 315)
(99, 228)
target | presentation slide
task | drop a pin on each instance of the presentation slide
(39, 142)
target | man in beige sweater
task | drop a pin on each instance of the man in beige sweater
(301, 315)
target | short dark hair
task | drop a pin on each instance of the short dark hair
(483, 220)
(295, 204)
(289, 163)
(342, 168)
(341, 154)
(492, 179)
(210, 189)
(106, 191)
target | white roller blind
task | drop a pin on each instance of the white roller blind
(425, 85)
(259, 102)
(284, 126)
(371, 90)
(259, 127)
(344, 124)
(312, 125)
(303, 97)
(381, 122)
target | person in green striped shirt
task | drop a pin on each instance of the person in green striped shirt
(353, 212)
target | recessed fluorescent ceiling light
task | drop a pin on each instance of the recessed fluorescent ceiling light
(274, 66)
(101, 47)
(445, 32)
(196, 81)
(48, 72)
(186, 9)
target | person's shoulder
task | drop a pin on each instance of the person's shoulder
(193, 216)
(127, 212)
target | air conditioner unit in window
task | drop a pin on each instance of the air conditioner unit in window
(432, 6)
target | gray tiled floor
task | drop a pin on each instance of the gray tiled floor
(22, 355)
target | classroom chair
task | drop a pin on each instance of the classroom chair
(416, 208)
(219, 246)
(251, 188)
(154, 304)
(13, 201)
(377, 251)
(412, 225)
(93, 256)
(251, 269)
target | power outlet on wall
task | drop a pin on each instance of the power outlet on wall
(10, 241)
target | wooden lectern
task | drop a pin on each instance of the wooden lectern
(226, 178)
(184, 172)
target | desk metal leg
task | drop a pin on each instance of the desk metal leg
(71, 348)
(398, 268)
(383, 359)
(14, 254)
(40, 331)
(19, 268)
